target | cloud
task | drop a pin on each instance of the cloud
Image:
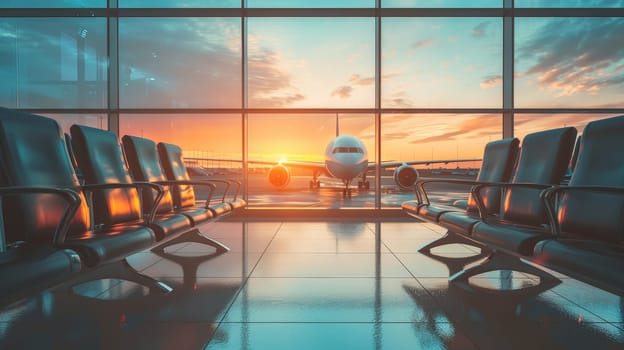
(479, 30)
(575, 55)
(359, 81)
(342, 92)
(491, 81)
(475, 127)
(421, 44)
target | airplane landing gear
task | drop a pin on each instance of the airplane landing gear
(314, 184)
(364, 183)
(346, 192)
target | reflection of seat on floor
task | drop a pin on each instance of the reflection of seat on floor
(522, 321)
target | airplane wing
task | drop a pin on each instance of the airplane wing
(395, 164)
(314, 166)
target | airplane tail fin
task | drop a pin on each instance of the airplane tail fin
(337, 126)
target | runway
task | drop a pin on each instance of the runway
(297, 193)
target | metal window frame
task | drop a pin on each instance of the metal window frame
(507, 12)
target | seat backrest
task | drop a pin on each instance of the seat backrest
(173, 165)
(600, 163)
(99, 156)
(498, 162)
(544, 158)
(144, 165)
(33, 153)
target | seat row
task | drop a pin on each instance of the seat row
(523, 208)
(134, 195)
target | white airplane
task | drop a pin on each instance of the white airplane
(346, 158)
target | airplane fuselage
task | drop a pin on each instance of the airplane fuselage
(346, 157)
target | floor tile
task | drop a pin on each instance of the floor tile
(230, 264)
(327, 300)
(328, 265)
(339, 336)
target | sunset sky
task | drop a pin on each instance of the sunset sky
(319, 63)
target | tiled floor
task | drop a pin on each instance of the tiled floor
(313, 285)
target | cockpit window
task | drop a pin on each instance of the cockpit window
(347, 150)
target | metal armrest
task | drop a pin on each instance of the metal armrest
(549, 196)
(69, 195)
(421, 194)
(160, 192)
(227, 187)
(208, 184)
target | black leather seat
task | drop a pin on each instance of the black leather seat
(542, 163)
(144, 166)
(184, 194)
(587, 215)
(35, 154)
(498, 162)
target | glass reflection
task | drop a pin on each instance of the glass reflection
(442, 3)
(311, 3)
(426, 60)
(53, 63)
(52, 4)
(179, 3)
(180, 62)
(569, 3)
(311, 62)
(99, 121)
(578, 66)
(442, 138)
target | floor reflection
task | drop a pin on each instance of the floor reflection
(317, 285)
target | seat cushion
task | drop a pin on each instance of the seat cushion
(459, 222)
(600, 263)
(112, 244)
(517, 239)
(220, 208)
(34, 266)
(168, 224)
(237, 204)
(197, 214)
(432, 212)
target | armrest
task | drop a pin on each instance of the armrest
(476, 192)
(208, 184)
(421, 194)
(160, 191)
(549, 196)
(227, 187)
(69, 195)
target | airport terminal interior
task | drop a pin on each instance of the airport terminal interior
(299, 174)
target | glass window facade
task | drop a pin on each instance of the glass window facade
(245, 87)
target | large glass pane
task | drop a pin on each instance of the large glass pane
(443, 3)
(288, 152)
(179, 3)
(445, 141)
(180, 62)
(311, 3)
(569, 3)
(442, 62)
(52, 4)
(211, 144)
(99, 121)
(569, 62)
(528, 123)
(53, 62)
(311, 62)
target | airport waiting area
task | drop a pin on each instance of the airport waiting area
(311, 174)
(126, 258)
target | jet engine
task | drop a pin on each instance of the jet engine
(405, 176)
(279, 176)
